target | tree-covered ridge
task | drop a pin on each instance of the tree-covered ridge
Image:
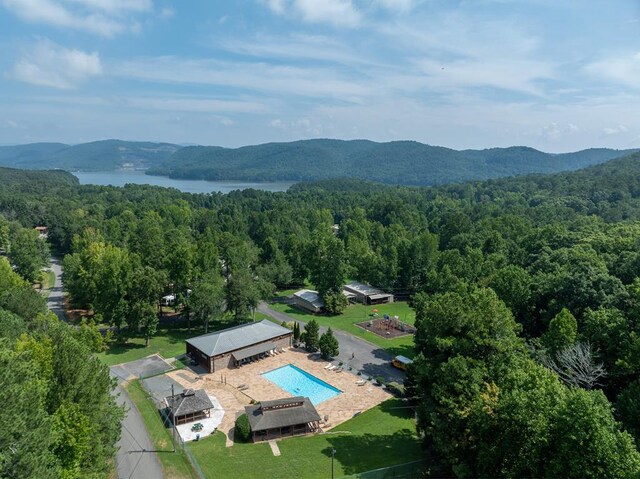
(398, 162)
(95, 156)
(59, 418)
(507, 278)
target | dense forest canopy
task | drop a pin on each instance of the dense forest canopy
(515, 282)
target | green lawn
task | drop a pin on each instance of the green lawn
(167, 342)
(174, 464)
(357, 313)
(380, 437)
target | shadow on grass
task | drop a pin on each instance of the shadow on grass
(356, 453)
(397, 408)
(118, 348)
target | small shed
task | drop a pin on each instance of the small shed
(168, 300)
(43, 231)
(308, 300)
(190, 405)
(366, 294)
(282, 418)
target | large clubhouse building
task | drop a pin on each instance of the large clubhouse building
(233, 346)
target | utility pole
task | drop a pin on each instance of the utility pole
(333, 453)
(173, 419)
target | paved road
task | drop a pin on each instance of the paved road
(369, 358)
(135, 458)
(56, 293)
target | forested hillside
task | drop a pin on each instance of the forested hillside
(58, 417)
(398, 162)
(95, 156)
(526, 291)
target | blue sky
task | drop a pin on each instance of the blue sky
(556, 75)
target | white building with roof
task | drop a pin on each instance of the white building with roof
(308, 300)
(366, 294)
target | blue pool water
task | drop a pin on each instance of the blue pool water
(300, 383)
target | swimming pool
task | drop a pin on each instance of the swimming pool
(300, 383)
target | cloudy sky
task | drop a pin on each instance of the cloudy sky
(558, 75)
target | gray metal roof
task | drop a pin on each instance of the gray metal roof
(311, 297)
(355, 286)
(281, 413)
(238, 337)
(188, 402)
(253, 350)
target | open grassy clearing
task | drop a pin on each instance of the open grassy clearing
(174, 464)
(380, 437)
(168, 342)
(356, 313)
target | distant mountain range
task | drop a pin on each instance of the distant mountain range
(95, 156)
(398, 162)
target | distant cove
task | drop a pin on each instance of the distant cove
(121, 178)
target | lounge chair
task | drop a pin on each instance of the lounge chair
(362, 382)
(328, 365)
(332, 367)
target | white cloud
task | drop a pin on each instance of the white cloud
(116, 6)
(51, 65)
(194, 104)
(615, 130)
(624, 69)
(98, 17)
(166, 12)
(340, 13)
(319, 82)
(277, 6)
(397, 6)
(336, 12)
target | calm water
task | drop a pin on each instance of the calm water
(121, 178)
(300, 383)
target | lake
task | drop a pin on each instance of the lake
(121, 178)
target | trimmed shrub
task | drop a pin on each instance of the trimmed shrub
(396, 389)
(242, 432)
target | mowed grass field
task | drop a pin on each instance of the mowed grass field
(356, 313)
(381, 437)
(168, 342)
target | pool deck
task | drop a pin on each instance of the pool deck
(353, 400)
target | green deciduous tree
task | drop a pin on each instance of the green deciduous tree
(29, 253)
(562, 332)
(207, 301)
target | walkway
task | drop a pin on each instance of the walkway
(372, 360)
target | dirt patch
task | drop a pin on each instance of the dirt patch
(387, 327)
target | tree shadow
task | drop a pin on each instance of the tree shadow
(359, 453)
(397, 408)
